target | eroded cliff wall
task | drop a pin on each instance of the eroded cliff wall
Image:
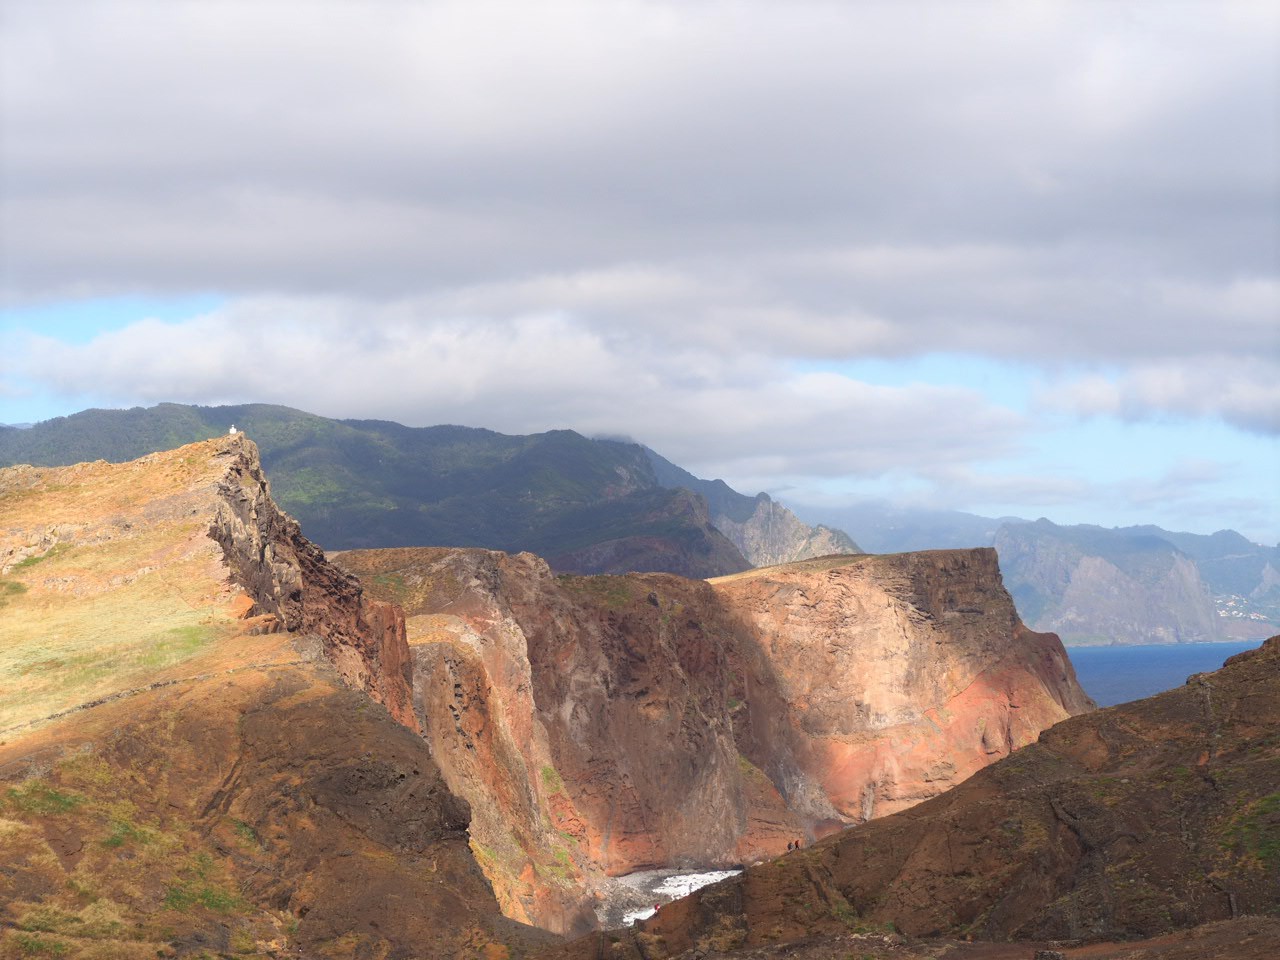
(899, 677)
(615, 723)
(288, 577)
(1130, 822)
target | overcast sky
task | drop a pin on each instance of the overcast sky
(1015, 258)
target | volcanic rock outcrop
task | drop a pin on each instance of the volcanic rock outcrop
(207, 740)
(1129, 822)
(601, 725)
(288, 577)
(772, 534)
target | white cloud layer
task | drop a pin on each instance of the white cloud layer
(1243, 391)
(531, 374)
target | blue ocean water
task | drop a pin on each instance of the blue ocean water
(1114, 675)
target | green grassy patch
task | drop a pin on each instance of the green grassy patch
(609, 591)
(34, 946)
(42, 799)
(56, 550)
(98, 921)
(394, 583)
(184, 896)
(9, 589)
(246, 833)
(1256, 829)
(199, 889)
(123, 832)
(176, 644)
(551, 779)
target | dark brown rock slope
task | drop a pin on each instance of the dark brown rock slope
(1129, 822)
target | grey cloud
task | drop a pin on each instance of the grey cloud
(1243, 391)
(648, 216)
(827, 179)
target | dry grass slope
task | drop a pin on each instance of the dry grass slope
(110, 580)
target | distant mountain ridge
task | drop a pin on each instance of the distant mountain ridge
(1092, 584)
(765, 531)
(588, 506)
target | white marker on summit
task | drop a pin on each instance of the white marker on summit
(233, 431)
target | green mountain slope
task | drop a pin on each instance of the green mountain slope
(373, 483)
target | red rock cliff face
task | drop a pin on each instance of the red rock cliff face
(644, 720)
(289, 578)
(899, 676)
(585, 719)
(633, 678)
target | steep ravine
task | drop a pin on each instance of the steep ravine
(601, 725)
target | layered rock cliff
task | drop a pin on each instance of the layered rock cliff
(288, 578)
(899, 676)
(617, 723)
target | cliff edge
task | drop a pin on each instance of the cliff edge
(207, 741)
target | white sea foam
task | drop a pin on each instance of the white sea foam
(674, 887)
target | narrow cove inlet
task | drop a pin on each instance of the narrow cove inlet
(653, 888)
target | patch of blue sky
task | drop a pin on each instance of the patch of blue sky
(1006, 383)
(1162, 468)
(75, 322)
(1113, 471)
(80, 321)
